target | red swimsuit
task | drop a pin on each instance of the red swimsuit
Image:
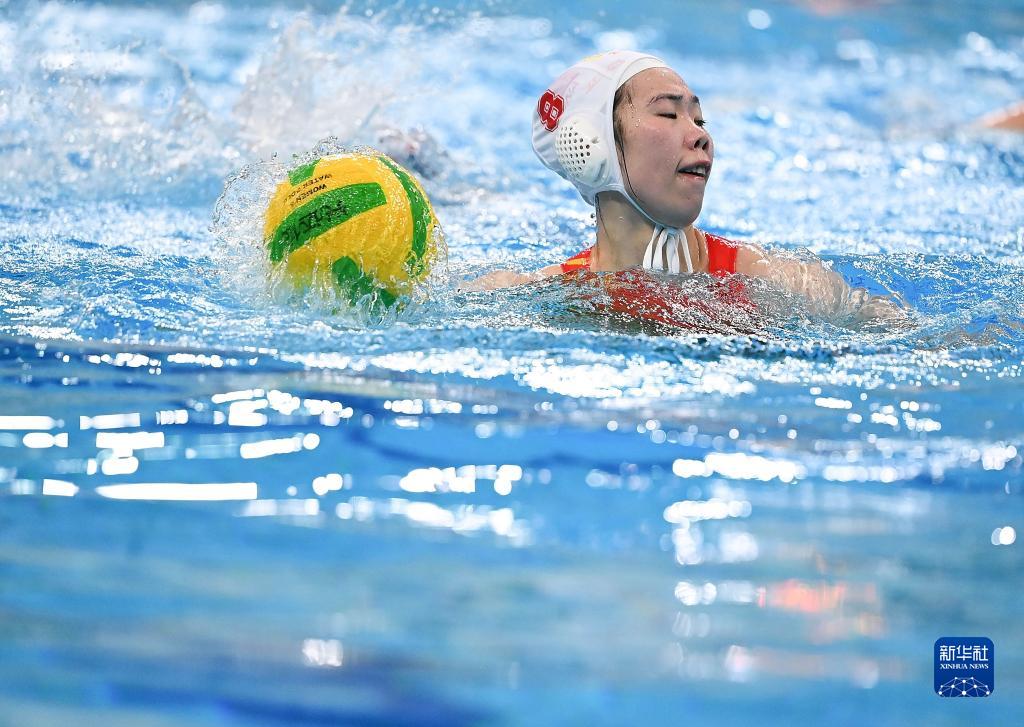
(721, 257)
(643, 296)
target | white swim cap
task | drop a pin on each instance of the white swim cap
(574, 135)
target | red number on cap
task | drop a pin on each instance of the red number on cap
(550, 108)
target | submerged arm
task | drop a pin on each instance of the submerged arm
(826, 292)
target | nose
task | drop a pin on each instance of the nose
(697, 137)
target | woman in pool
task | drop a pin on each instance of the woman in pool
(629, 133)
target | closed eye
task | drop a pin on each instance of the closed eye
(699, 122)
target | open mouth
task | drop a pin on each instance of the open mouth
(701, 169)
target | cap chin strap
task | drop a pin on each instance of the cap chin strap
(662, 254)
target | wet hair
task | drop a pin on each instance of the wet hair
(623, 95)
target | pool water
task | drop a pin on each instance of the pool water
(218, 506)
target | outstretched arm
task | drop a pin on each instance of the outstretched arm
(825, 290)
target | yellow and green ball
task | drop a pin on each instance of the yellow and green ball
(356, 221)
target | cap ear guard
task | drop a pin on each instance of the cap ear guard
(573, 130)
(582, 151)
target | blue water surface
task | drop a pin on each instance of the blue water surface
(221, 507)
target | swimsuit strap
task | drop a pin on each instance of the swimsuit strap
(579, 261)
(721, 255)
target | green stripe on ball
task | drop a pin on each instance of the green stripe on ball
(420, 218)
(357, 285)
(325, 211)
(301, 174)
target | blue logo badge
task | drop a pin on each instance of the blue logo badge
(965, 666)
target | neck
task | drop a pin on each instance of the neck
(623, 235)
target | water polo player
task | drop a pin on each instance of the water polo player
(627, 131)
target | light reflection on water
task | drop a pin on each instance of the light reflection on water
(734, 557)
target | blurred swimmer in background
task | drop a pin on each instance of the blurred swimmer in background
(1009, 119)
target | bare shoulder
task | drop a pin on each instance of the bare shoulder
(756, 261)
(751, 258)
(509, 278)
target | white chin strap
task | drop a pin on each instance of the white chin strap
(664, 246)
